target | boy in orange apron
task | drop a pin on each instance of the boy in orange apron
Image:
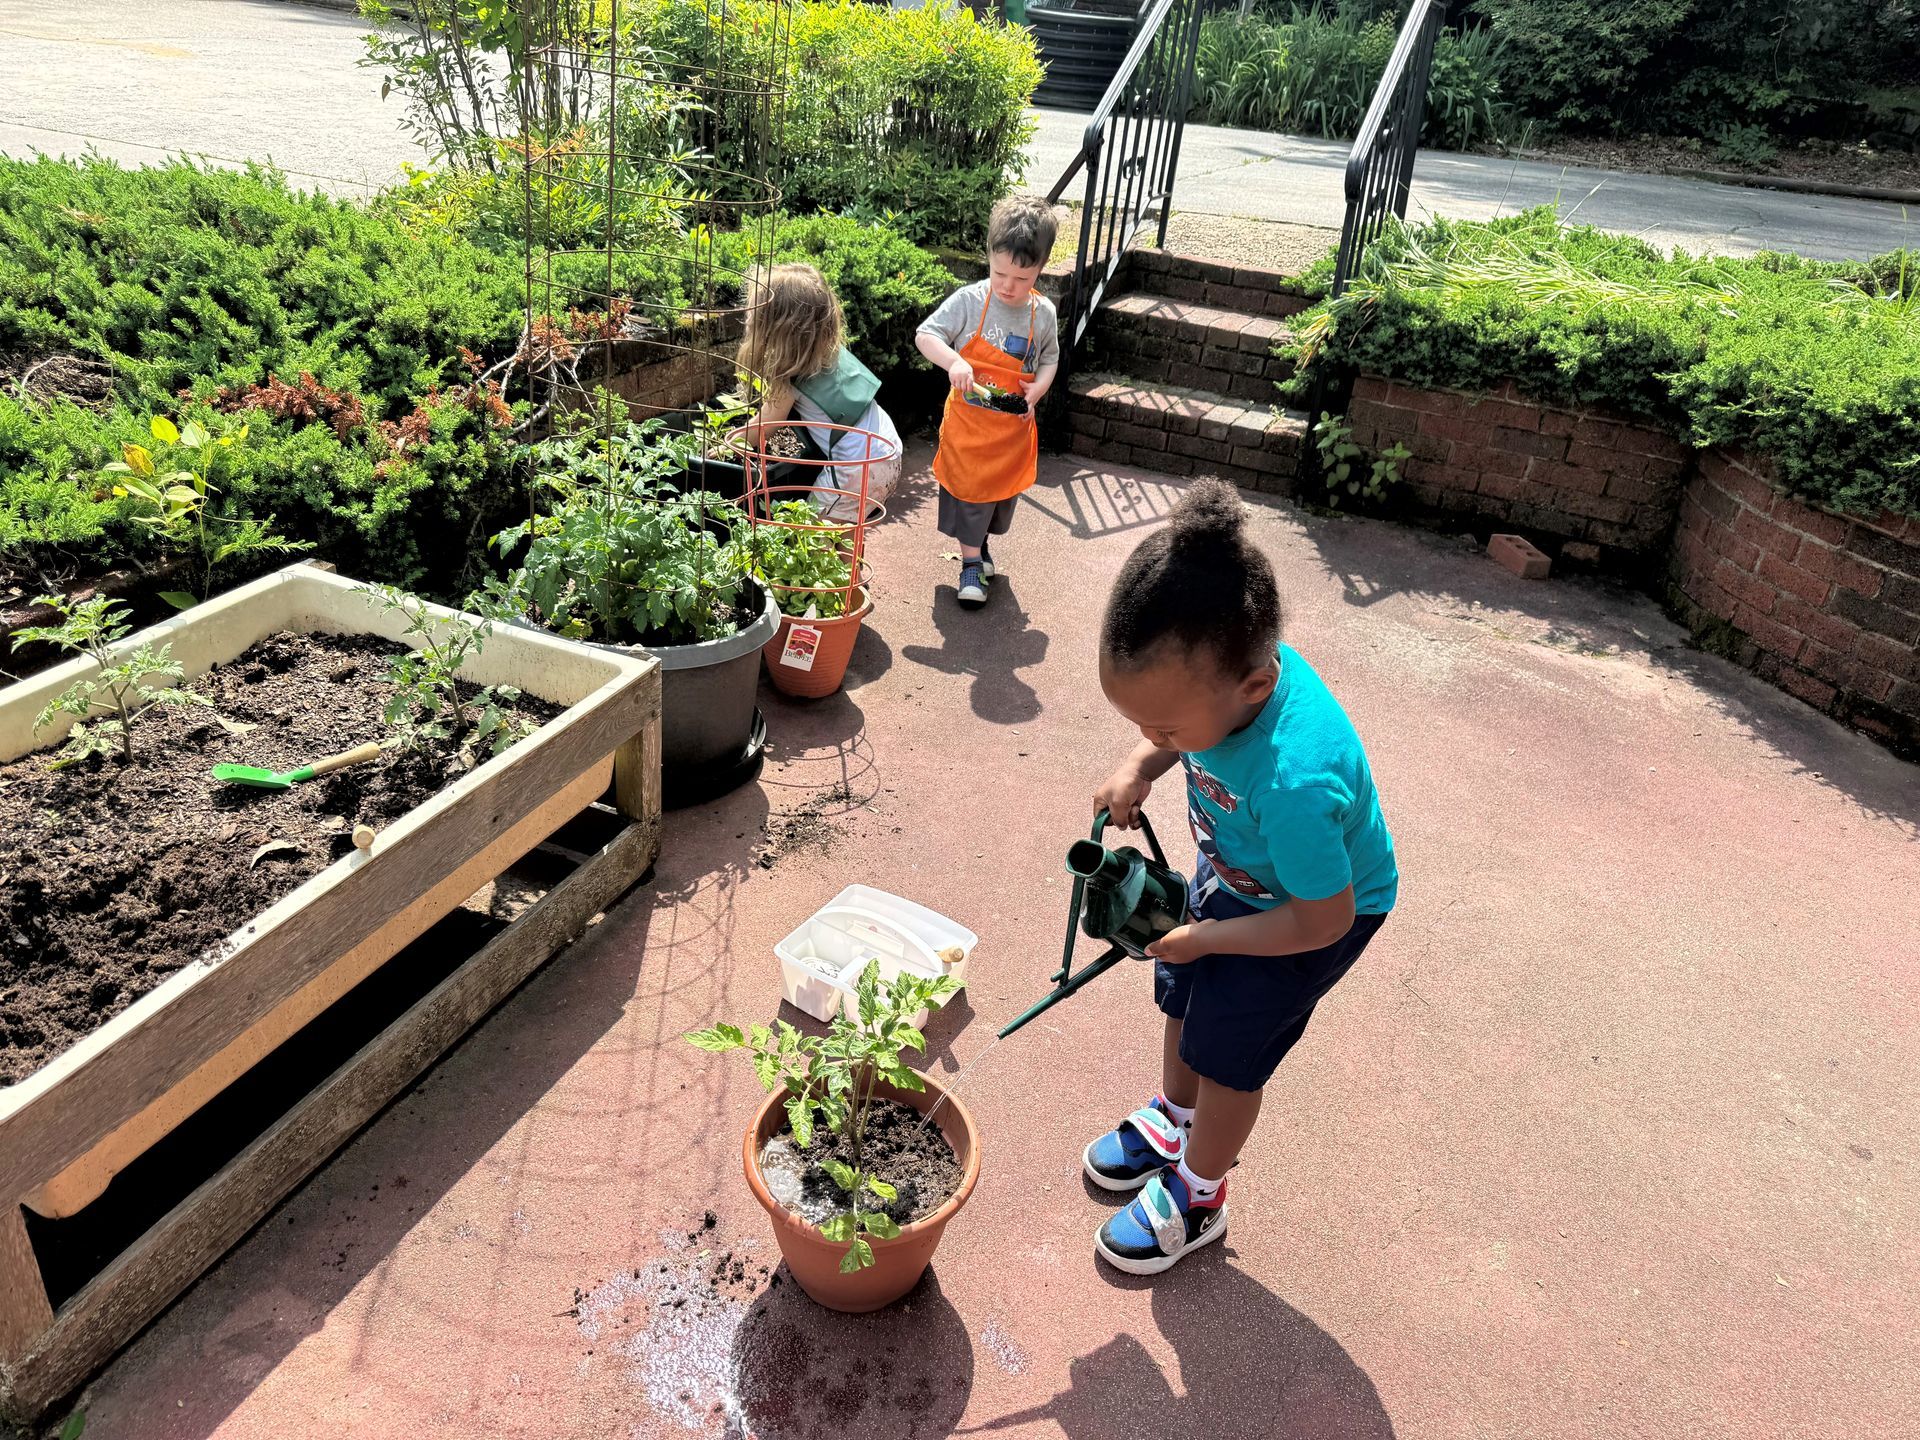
(994, 339)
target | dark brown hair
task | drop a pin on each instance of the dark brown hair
(1024, 228)
(1197, 584)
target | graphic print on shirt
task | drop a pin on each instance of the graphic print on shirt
(1200, 780)
(1198, 821)
(1016, 345)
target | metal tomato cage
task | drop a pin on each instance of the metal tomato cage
(837, 481)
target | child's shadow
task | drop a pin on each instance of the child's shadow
(1249, 1364)
(990, 644)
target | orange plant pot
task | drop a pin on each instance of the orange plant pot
(899, 1263)
(830, 647)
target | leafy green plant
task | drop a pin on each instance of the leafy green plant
(830, 1084)
(1815, 365)
(804, 561)
(427, 705)
(123, 687)
(1340, 459)
(1314, 71)
(919, 112)
(181, 505)
(1679, 66)
(1748, 146)
(622, 557)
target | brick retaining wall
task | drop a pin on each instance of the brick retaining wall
(1585, 476)
(1826, 607)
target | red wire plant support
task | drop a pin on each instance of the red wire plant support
(814, 561)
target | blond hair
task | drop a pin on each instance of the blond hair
(794, 326)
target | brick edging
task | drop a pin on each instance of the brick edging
(1589, 476)
(1824, 606)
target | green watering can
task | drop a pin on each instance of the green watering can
(1119, 896)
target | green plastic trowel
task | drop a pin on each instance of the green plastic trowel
(286, 779)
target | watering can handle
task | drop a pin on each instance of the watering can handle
(1105, 818)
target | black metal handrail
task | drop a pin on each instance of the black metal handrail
(1130, 153)
(1380, 165)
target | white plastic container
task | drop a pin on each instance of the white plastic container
(821, 961)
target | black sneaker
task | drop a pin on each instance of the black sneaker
(973, 586)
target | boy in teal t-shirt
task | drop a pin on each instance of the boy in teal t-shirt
(1296, 871)
(1291, 798)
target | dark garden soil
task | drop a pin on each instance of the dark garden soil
(914, 1158)
(113, 877)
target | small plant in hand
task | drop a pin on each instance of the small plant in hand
(1005, 401)
(428, 705)
(123, 690)
(830, 1085)
(180, 504)
(1341, 459)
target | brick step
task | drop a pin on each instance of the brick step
(1246, 288)
(1180, 431)
(1159, 338)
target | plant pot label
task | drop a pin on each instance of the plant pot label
(803, 644)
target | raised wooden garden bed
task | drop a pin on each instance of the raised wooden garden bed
(94, 1110)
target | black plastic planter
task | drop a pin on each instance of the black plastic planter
(713, 738)
(1082, 43)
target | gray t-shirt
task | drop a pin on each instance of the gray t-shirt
(1006, 325)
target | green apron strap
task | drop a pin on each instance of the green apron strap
(844, 391)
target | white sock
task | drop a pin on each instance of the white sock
(1201, 1190)
(1182, 1116)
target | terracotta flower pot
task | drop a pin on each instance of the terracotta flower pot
(818, 661)
(899, 1263)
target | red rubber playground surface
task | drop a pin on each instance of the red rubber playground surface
(1609, 1134)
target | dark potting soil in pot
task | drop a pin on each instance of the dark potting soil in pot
(914, 1158)
(113, 877)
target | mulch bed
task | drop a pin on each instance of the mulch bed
(1830, 163)
(117, 876)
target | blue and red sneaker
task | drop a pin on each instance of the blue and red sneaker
(1130, 1154)
(1162, 1224)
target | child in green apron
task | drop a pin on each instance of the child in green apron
(796, 347)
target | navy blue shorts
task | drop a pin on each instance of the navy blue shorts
(1243, 1013)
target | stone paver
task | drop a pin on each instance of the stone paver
(1609, 1134)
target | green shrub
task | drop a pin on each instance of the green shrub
(207, 281)
(917, 114)
(1816, 365)
(1699, 66)
(189, 277)
(1314, 73)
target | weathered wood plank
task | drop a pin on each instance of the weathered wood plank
(24, 1312)
(141, 1283)
(636, 768)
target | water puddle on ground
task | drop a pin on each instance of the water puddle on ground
(718, 1339)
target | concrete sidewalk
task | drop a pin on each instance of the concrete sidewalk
(1284, 178)
(1610, 1133)
(235, 80)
